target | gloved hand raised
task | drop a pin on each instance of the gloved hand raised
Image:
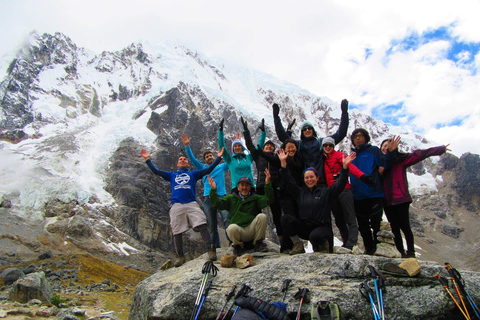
(220, 127)
(290, 125)
(344, 105)
(244, 124)
(276, 110)
(262, 125)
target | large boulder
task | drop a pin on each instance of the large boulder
(32, 286)
(171, 294)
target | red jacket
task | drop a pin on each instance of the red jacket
(395, 183)
(333, 164)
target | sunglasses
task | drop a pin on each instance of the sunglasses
(328, 145)
(307, 128)
(359, 135)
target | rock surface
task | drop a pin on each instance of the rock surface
(171, 294)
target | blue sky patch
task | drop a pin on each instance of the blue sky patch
(460, 52)
(458, 121)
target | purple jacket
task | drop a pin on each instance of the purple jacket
(395, 184)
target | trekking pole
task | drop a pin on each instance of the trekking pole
(208, 268)
(244, 289)
(378, 280)
(448, 267)
(229, 296)
(302, 293)
(455, 274)
(286, 284)
(205, 294)
(444, 283)
(369, 296)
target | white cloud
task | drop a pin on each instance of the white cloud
(310, 43)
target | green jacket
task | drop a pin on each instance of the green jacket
(243, 211)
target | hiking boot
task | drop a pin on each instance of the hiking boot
(410, 254)
(260, 246)
(297, 248)
(212, 253)
(237, 250)
(179, 261)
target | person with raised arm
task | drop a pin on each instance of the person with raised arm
(218, 174)
(310, 146)
(184, 209)
(314, 221)
(247, 223)
(397, 197)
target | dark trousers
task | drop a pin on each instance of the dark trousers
(344, 213)
(275, 208)
(369, 215)
(399, 219)
(316, 234)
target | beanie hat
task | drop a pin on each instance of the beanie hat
(328, 140)
(237, 141)
(244, 179)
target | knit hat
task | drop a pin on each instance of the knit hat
(307, 124)
(328, 140)
(237, 141)
(244, 179)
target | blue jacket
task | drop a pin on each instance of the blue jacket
(218, 174)
(369, 159)
(240, 164)
(183, 182)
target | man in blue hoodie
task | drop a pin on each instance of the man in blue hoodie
(184, 209)
(218, 175)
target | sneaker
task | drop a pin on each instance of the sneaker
(260, 246)
(237, 250)
(179, 261)
(212, 253)
(297, 248)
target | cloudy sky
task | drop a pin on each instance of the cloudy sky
(414, 64)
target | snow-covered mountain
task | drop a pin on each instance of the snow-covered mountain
(73, 122)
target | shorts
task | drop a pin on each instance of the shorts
(184, 215)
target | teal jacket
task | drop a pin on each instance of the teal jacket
(243, 211)
(240, 164)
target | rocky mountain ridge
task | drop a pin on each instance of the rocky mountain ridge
(73, 123)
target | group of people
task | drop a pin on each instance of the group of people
(304, 183)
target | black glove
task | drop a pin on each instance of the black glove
(344, 105)
(244, 123)
(220, 127)
(290, 125)
(276, 110)
(262, 125)
(367, 180)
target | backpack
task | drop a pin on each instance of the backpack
(258, 308)
(327, 310)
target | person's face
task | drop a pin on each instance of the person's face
(328, 148)
(183, 163)
(359, 139)
(268, 148)
(237, 148)
(307, 132)
(290, 149)
(244, 188)
(384, 147)
(310, 178)
(209, 158)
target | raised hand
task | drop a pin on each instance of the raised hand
(212, 183)
(244, 124)
(290, 125)
(238, 136)
(282, 156)
(344, 105)
(186, 139)
(393, 143)
(220, 153)
(446, 148)
(276, 110)
(347, 160)
(145, 154)
(220, 127)
(267, 176)
(262, 125)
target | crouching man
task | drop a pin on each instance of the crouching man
(247, 223)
